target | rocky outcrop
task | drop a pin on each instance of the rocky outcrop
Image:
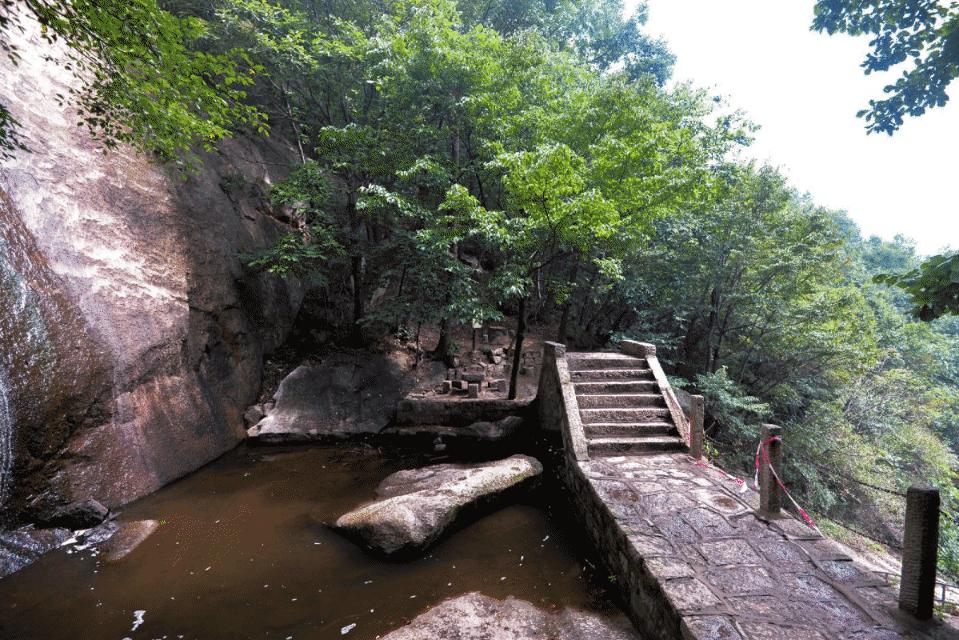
(348, 393)
(82, 514)
(417, 505)
(477, 617)
(23, 546)
(131, 335)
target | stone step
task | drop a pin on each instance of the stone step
(602, 360)
(622, 445)
(616, 386)
(627, 429)
(611, 374)
(644, 414)
(621, 400)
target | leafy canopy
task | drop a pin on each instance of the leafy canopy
(922, 34)
(142, 78)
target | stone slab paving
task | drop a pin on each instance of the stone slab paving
(730, 574)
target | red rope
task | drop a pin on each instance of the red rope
(708, 465)
(764, 451)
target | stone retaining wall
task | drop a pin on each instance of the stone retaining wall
(457, 412)
(646, 604)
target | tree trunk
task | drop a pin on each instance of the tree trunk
(564, 318)
(356, 274)
(356, 271)
(444, 346)
(518, 354)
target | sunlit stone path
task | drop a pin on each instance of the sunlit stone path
(686, 544)
(727, 573)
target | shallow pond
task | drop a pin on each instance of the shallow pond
(244, 551)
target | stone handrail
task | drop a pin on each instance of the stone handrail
(556, 400)
(648, 351)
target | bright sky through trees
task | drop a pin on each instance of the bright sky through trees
(804, 89)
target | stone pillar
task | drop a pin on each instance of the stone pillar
(920, 544)
(770, 496)
(473, 390)
(697, 435)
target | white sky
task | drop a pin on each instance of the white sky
(804, 90)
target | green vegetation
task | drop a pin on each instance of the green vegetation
(923, 34)
(458, 162)
(144, 79)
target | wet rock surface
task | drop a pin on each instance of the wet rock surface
(128, 536)
(82, 514)
(127, 319)
(474, 616)
(21, 547)
(417, 505)
(347, 393)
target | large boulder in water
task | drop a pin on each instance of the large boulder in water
(477, 617)
(416, 506)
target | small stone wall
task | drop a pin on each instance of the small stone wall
(457, 412)
(647, 605)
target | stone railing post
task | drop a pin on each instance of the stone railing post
(770, 496)
(920, 545)
(697, 433)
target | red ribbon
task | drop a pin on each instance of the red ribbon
(761, 449)
(707, 465)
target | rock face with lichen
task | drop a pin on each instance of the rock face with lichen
(131, 335)
(416, 506)
(477, 617)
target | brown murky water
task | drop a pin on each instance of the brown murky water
(244, 552)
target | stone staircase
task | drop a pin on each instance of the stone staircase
(621, 406)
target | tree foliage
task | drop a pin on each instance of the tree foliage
(923, 34)
(767, 305)
(142, 78)
(932, 287)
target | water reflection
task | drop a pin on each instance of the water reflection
(243, 550)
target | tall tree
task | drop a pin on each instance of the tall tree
(924, 35)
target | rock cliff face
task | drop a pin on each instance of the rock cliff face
(131, 336)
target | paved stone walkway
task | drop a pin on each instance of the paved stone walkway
(729, 574)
